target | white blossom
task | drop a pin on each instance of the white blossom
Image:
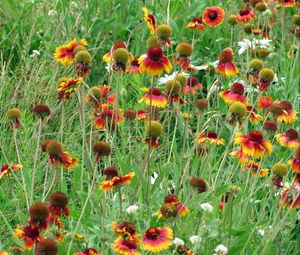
(154, 177)
(207, 207)
(194, 239)
(35, 53)
(166, 78)
(221, 250)
(52, 13)
(261, 232)
(132, 209)
(178, 241)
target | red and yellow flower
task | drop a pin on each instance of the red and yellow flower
(287, 3)
(196, 24)
(243, 157)
(254, 144)
(134, 67)
(291, 197)
(88, 251)
(234, 94)
(157, 239)
(154, 62)
(151, 22)
(126, 247)
(264, 102)
(245, 15)
(172, 203)
(125, 229)
(225, 65)
(254, 117)
(142, 115)
(59, 157)
(295, 162)
(192, 86)
(288, 115)
(209, 137)
(29, 234)
(65, 54)
(289, 139)
(213, 16)
(7, 169)
(108, 117)
(256, 169)
(99, 95)
(113, 179)
(153, 97)
(67, 86)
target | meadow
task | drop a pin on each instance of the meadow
(149, 127)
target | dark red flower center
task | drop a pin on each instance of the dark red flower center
(152, 233)
(32, 233)
(212, 134)
(90, 251)
(155, 92)
(110, 172)
(245, 11)
(237, 88)
(250, 108)
(286, 105)
(129, 244)
(197, 20)
(128, 227)
(270, 125)
(226, 55)
(213, 15)
(135, 62)
(192, 81)
(119, 44)
(155, 53)
(292, 134)
(297, 154)
(256, 136)
(171, 199)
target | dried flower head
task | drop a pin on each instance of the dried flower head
(13, 114)
(184, 49)
(238, 109)
(46, 247)
(101, 149)
(42, 110)
(59, 199)
(54, 148)
(164, 31)
(266, 74)
(199, 184)
(38, 212)
(173, 87)
(280, 169)
(153, 129)
(152, 41)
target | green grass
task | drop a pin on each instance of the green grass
(26, 81)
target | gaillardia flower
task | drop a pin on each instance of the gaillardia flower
(196, 24)
(209, 137)
(82, 61)
(134, 66)
(46, 247)
(58, 206)
(243, 158)
(164, 32)
(7, 169)
(100, 95)
(29, 234)
(113, 179)
(59, 157)
(39, 213)
(266, 76)
(295, 162)
(154, 62)
(153, 97)
(225, 66)
(289, 139)
(88, 251)
(173, 88)
(192, 85)
(66, 86)
(254, 117)
(199, 184)
(125, 229)
(213, 16)
(101, 149)
(270, 126)
(291, 196)
(153, 130)
(288, 114)
(14, 115)
(183, 52)
(150, 20)
(234, 94)
(126, 247)
(41, 110)
(254, 144)
(245, 15)
(256, 169)
(287, 3)
(157, 239)
(65, 54)
(172, 207)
